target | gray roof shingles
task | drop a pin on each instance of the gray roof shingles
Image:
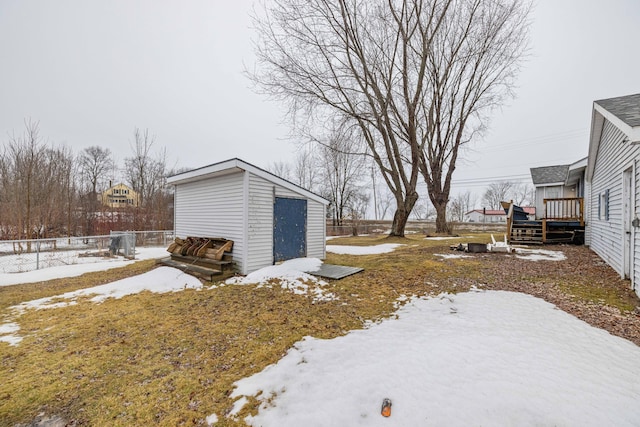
(626, 108)
(549, 174)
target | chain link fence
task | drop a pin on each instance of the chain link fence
(18, 256)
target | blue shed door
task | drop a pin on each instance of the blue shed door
(289, 229)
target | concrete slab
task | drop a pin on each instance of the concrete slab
(330, 271)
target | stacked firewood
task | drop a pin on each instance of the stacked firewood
(202, 247)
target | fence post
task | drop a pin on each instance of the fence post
(38, 255)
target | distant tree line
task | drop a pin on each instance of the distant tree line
(50, 191)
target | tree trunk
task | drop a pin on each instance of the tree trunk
(401, 216)
(399, 222)
(442, 226)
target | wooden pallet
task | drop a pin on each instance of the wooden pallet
(204, 257)
(204, 273)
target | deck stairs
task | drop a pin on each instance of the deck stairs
(563, 222)
(526, 232)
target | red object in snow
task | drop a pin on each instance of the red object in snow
(386, 408)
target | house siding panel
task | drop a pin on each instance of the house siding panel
(212, 208)
(587, 213)
(606, 235)
(636, 234)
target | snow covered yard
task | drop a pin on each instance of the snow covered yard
(161, 347)
(476, 358)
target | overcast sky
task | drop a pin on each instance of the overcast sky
(90, 72)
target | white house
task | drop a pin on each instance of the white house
(268, 218)
(613, 186)
(486, 216)
(493, 216)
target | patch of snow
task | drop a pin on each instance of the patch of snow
(453, 256)
(493, 358)
(8, 333)
(402, 299)
(11, 339)
(9, 328)
(539, 255)
(289, 275)
(78, 267)
(211, 419)
(159, 280)
(363, 250)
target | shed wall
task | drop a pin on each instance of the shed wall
(260, 227)
(213, 208)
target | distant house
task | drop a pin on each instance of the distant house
(120, 196)
(556, 182)
(486, 216)
(491, 216)
(613, 185)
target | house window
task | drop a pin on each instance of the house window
(603, 206)
(552, 192)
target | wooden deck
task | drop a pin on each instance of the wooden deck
(563, 222)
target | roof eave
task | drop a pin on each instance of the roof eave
(236, 165)
(597, 122)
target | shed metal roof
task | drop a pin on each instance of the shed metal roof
(236, 165)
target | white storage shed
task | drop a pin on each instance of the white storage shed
(268, 218)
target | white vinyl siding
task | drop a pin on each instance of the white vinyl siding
(587, 213)
(260, 227)
(212, 208)
(606, 234)
(636, 235)
(316, 230)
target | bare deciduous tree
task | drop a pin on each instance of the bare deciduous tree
(460, 205)
(305, 169)
(496, 193)
(414, 76)
(95, 163)
(472, 64)
(22, 158)
(147, 172)
(36, 187)
(423, 211)
(281, 169)
(523, 194)
(342, 173)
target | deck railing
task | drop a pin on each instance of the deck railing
(564, 209)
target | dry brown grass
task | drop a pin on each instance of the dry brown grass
(172, 359)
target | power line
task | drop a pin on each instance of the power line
(484, 181)
(537, 140)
